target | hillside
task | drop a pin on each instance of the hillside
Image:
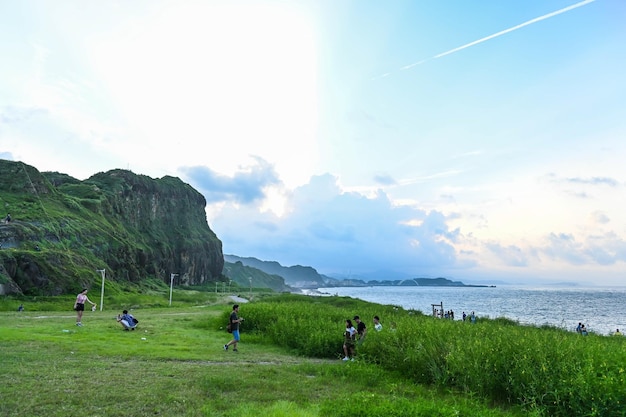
(247, 276)
(296, 276)
(133, 226)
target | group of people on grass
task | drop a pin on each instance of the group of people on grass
(472, 317)
(354, 336)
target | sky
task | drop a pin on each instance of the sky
(478, 141)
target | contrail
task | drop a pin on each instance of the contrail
(503, 32)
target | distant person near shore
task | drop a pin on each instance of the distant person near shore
(79, 306)
(7, 219)
(617, 333)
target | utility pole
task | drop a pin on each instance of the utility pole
(103, 273)
(172, 285)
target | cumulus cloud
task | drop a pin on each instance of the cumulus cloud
(245, 186)
(340, 232)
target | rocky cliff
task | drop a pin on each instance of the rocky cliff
(135, 227)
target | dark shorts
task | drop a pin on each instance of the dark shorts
(80, 307)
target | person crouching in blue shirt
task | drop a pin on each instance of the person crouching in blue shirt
(127, 320)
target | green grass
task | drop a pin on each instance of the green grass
(174, 365)
(288, 363)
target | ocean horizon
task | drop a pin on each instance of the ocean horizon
(601, 309)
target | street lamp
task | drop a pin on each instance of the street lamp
(172, 285)
(103, 273)
(229, 281)
(250, 278)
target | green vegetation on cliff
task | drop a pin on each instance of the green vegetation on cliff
(135, 227)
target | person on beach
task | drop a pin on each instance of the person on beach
(234, 325)
(79, 306)
(377, 325)
(127, 320)
(617, 333)
(361, 329)
(349, 336)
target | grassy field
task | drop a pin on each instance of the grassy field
(287, 365)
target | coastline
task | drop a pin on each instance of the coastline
(600, 309)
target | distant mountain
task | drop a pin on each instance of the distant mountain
(307, 277)
(295, 276)
(247, 276)
(423, 282)
(380, 275)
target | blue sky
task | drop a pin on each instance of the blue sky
(473, 140)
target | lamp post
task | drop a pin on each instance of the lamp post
(103, 273)
(250, 296)
(229, 281)
(172, 285)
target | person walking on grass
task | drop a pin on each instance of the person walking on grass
(79, 306)
(234, 325)
(361, 329)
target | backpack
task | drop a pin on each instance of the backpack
(229, 329)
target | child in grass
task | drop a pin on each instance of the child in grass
(349, 341)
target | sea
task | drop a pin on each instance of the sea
(601, 309)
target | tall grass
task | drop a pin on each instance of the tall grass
(547, 371)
